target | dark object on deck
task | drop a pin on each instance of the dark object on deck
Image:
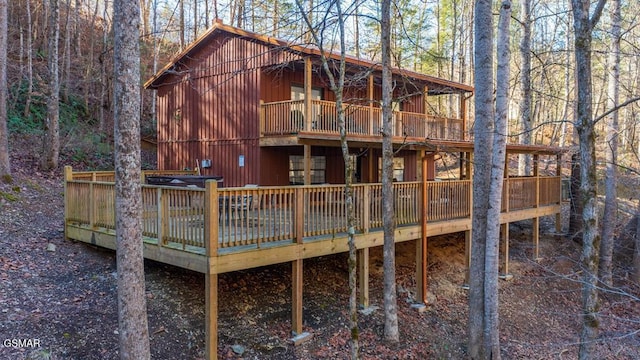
(183, 180)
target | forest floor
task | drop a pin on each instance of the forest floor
(63, 294)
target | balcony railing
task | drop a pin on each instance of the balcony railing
(288, 117)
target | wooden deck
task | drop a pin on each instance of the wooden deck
(216, 230)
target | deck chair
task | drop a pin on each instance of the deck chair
(237, 205)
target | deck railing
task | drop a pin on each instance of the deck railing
(258, 216)
(288, 117)
(111, 175)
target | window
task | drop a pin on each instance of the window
(398, 169)
(297, 93)
(296, 169)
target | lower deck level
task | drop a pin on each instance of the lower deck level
(215, 231)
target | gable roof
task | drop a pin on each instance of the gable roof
(304, 50)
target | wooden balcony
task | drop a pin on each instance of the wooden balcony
(288, 118)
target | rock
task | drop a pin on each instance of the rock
(368, 311)
(238, 349)
(51, 247)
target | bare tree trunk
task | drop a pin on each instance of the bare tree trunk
(636, 252)
(483, 144)
(182, 29)
(583, 26)
(27, 103)
(524, 160)
(5, 165)
(51, 148)
(491, 264)
(132, 306)
(391, 332)
(610, 217)
(66, 58)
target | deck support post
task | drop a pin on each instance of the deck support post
(559, 174)
(296, 296)
(211, 277)
(467, 258)
(363, 276)
(68, 176)
(211, 316)
(504, 232)
(536, 238)
(421, 248)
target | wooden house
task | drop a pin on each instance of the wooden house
(260, 111)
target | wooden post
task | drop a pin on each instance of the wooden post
(504, 232)
(467, 234)
(211, 277)
(366, 209)
(467, 257)
(68, 176)
(421, 259)
(370, 94)
(296, 297)
(363, 276)
(536, 220)
(307, 164)
(308, 114)
(536, 237)
(463, 116)
(296, 267)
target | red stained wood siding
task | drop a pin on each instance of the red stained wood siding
(211, 109)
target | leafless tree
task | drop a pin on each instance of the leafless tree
(132, 306)
(391, 332)
(51, 148)
(584, 21)
(490, 155)
(610, 218)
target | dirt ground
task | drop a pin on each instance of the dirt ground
(63, 294)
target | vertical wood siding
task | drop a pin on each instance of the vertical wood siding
(212, 110)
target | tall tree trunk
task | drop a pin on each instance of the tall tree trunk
(51, 148)
(5, 166)
(636, 252)
(524, 160)
(29, 46)
(583, 26)
(491, 334)
(391, 332)
(132, 306)
(182, 29)
(66, 58)
(483, 147)
(610, 217)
